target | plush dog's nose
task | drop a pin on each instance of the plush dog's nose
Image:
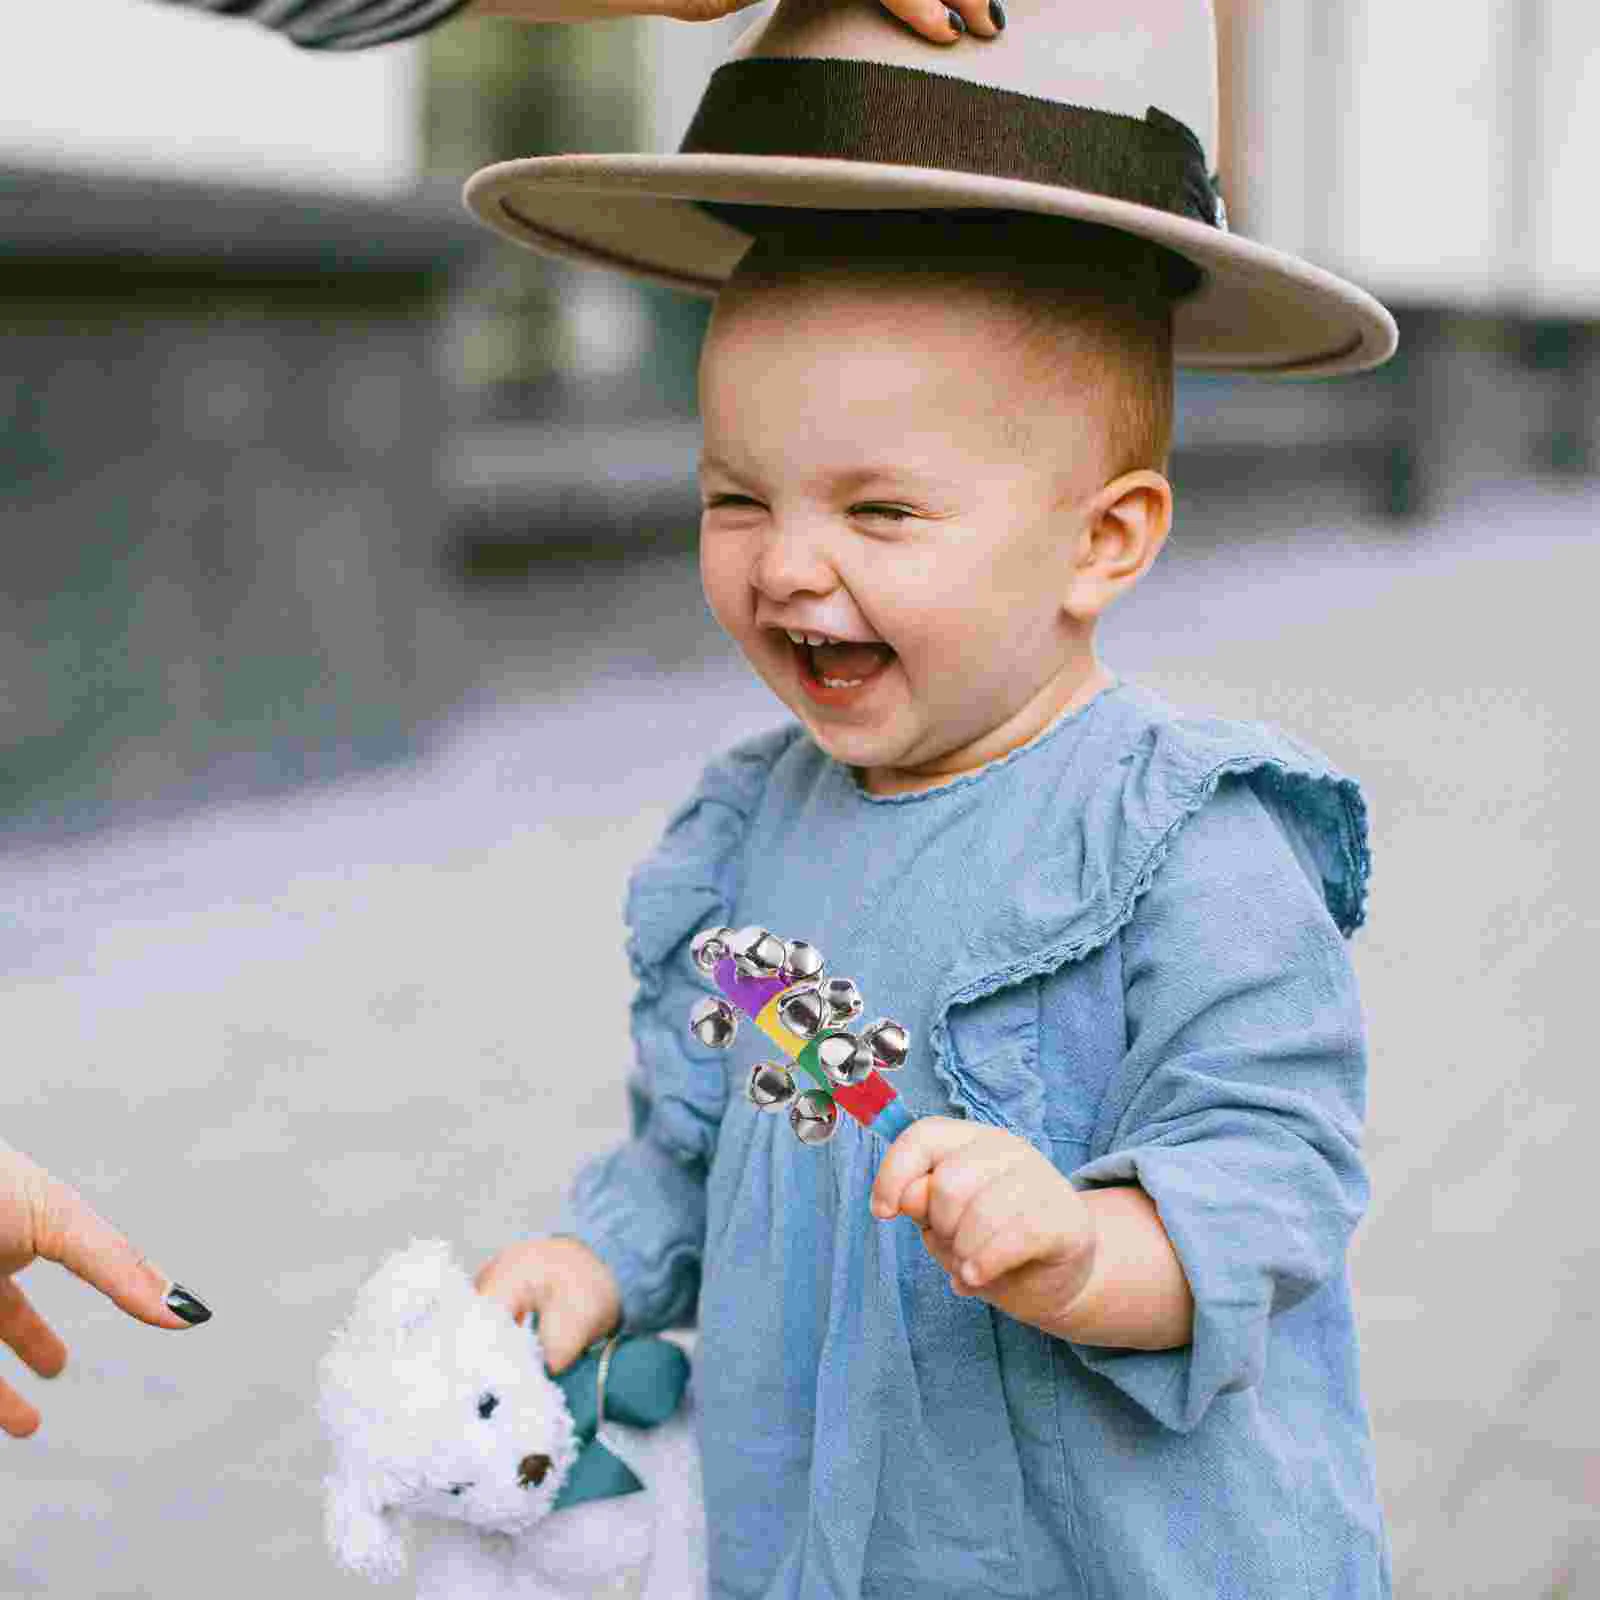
(532, 1470)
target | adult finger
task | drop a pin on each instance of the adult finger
(917, 1151)
(17, 1417)
(73, 1234)
(944, 23)
(28, 1333)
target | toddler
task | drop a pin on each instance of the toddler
(1084, 1329)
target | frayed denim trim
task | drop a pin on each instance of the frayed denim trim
(1332, 803)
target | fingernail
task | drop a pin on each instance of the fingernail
(957, 21)
(997, 15)
(969, 1273)
(184, 1304)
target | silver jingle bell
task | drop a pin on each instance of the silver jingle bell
(814, 1117)
(803, 1012)
(771, 1086)
(845, 1059)
(710, 946)
(802, 960)
(757, 953)
(713, 1022)
(843, 998)
(889, 1043)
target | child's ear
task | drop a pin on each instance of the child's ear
(361, 1530)
(1124, 527)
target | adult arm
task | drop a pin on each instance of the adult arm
(362, 24)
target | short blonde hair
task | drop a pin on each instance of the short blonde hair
(1085, 300)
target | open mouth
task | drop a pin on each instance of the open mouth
(838, 665)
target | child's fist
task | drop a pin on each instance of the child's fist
(565, 1284)
(994, 1213)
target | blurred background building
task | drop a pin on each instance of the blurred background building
(274, 411)
(351, 650)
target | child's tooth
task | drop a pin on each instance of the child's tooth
(795, 637)
(816, 638)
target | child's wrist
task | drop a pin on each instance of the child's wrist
(1134, 1295)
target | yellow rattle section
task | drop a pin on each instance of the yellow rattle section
(769, 1024)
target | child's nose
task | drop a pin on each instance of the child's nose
(793, 561)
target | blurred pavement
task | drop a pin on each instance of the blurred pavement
(274, 1042)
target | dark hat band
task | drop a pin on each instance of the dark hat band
(868, 111)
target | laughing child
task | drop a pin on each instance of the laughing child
(1084, 1329)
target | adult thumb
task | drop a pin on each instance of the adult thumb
(73, 1234)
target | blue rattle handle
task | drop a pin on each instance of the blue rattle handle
(892, 1120)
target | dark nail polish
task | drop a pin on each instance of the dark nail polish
(957, 21)
(997, 15)
(191, 1310)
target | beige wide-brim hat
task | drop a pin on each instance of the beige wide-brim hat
(1101, 111)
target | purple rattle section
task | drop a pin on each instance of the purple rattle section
(750, 995)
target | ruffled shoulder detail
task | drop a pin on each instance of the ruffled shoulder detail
(1103, 821)
(688, 882)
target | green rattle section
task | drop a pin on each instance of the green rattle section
(807, 1060)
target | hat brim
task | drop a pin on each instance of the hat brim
(1257, 311)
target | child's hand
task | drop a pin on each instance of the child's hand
(994, 1213)
(571, 1290)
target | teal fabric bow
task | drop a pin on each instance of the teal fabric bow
(640, 1382)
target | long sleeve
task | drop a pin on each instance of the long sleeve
(336, 24)
(642, 1206)
(1239, 1101)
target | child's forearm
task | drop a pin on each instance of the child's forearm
(1137, 1297)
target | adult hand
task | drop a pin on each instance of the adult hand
(42, 1219)
(934, 19)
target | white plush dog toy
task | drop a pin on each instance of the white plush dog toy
(445, 1425)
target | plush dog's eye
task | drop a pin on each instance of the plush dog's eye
(487, 1404)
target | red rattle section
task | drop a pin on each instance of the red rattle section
(866, 1099)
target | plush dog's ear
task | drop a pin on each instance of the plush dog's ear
(416, 1285)
(362, 1531)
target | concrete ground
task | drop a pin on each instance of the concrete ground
(274, 1043)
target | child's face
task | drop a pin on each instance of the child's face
(879, 468)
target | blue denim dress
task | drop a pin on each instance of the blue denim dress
(1123, 943)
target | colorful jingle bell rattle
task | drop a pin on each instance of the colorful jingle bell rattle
(779, 985)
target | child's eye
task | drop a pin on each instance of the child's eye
(729, 500)
(487, 1404)
(889, 513)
